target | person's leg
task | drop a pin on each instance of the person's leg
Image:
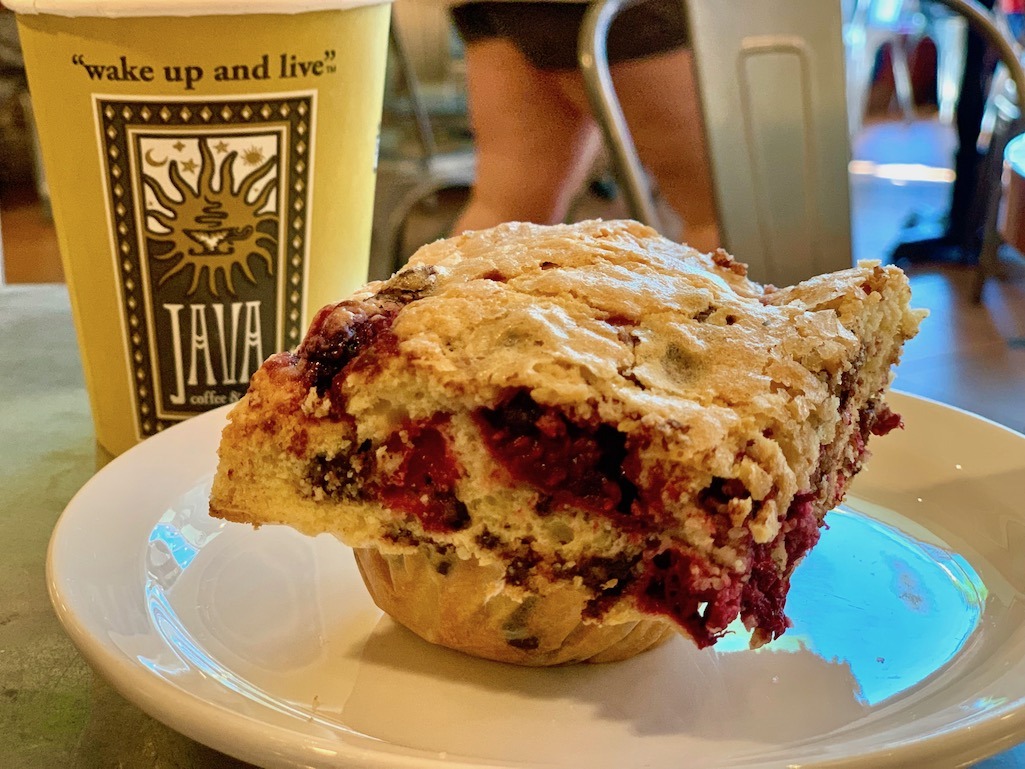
(534, 147)
(660, 102)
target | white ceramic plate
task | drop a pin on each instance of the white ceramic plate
(908, 645)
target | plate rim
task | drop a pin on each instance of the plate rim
(266, 744)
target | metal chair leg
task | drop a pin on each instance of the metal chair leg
(989, 253)
(404, 68)
(594, 65)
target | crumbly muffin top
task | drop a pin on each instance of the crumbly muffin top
(609, 321)
(590, 406)
(614, 310)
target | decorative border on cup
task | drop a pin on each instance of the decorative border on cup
(117, 119)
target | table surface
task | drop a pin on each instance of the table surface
(54, 712)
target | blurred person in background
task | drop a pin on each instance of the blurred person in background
(961, 238)
(536, 139)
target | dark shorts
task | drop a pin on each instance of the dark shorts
(547, 33)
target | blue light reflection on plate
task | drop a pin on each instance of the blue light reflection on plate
(179, 535)
(173, 545)
(893, 609)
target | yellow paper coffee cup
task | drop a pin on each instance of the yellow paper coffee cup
(211, 165)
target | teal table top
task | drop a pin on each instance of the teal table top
(54, 711)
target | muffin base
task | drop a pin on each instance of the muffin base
(463, 606)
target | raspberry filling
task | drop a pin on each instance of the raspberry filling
(420, 479)
(574, 466)
(338, 335)
(424, 482)
(591, 468)
(684, 588)
(354, 333)
(880, 421)
(680, 587)
(765, 593)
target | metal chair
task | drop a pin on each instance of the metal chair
(873, 26)
(771, 82)
(899, 24)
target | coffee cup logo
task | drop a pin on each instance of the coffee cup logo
(210, 230)
(208, 211)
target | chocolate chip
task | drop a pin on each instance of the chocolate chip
(409, 285)
(720, 491)
(530, 643)
(599, 571)
(458, 516)
(517, 572)
(339, 477)
(487, 540)
(678, 362)
(543, 507)
(702, 316)
(402, 537)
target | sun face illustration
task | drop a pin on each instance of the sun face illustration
(211, 231)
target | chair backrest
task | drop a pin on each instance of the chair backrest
(772, 84)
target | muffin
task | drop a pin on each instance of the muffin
(559, 444)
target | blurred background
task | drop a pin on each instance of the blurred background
(905, 66)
